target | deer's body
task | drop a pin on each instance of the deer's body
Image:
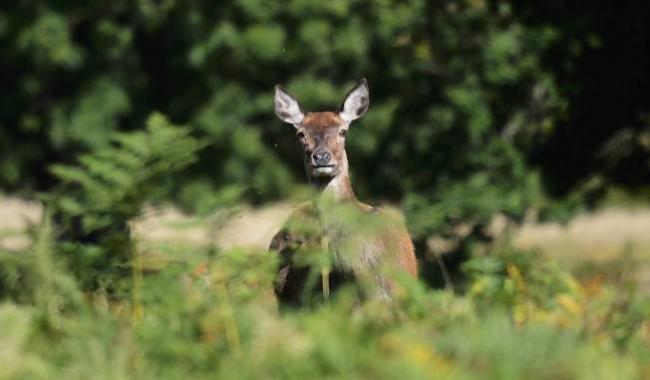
(365, 244)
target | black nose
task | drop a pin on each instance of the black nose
(321, 157)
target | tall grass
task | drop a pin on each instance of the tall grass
(522, 317)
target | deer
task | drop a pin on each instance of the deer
(364, 245)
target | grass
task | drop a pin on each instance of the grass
(202, 307)
(522, 316)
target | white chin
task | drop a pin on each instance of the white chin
(323, 171)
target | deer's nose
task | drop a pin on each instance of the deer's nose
(321, 157)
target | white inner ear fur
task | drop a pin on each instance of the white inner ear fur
(356, 102)
(287, 107)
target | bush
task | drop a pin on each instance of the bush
(223, 322)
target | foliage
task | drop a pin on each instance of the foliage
(210, 312)
(459, 94)
(223, 322)
(520, 316)
(108, 188)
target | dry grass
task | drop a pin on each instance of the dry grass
(597, 237)
(244, 227)
(16, 215)
(600, 236)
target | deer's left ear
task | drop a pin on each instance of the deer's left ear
(356, 102)
(287, 107)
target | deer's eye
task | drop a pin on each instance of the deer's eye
(300, 135)
(343, 132)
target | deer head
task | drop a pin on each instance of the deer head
(322, 134)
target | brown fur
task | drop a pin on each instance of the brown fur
(389, 248)
(320, 121)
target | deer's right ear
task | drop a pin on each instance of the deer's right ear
(286, 107)
(356, 102)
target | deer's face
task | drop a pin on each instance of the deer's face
(322, 134)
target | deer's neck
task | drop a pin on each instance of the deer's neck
(338, 187)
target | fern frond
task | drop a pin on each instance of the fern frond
(108, 187)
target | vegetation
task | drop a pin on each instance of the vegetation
(81, 307)
(521, 317)
(476, 109)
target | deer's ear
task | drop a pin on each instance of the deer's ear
(286, 107)
(356, 102)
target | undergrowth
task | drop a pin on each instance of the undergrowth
(78, 305)
(522, 317)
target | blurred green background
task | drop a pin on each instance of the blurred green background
(477, 106)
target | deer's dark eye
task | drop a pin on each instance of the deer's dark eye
(300, 135)
(343, 132)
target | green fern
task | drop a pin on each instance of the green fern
(98, 196)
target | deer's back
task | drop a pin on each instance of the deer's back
(383, 236)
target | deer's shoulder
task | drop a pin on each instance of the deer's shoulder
(299, 228)
(394, 236)
(391, 213)
(304, 211)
